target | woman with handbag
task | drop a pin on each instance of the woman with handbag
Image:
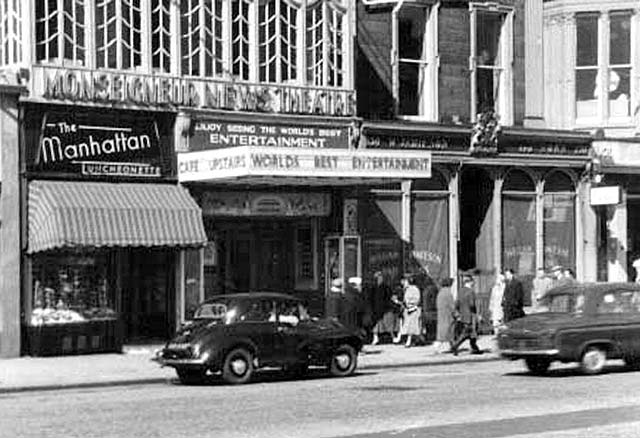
(411, 317)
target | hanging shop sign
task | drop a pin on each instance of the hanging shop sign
(105, 87)
(264, 161)
(265, 204)
(607, 195)
(96, 145)
(211, 134)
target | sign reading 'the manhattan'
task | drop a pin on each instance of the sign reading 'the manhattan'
(98, 148)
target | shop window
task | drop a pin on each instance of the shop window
(72, 288)
(603, 80)
(559, 220)
(306, 255)
(60, 31)
(491, 62)
(414, 61)
(192, 280)
(519, 224)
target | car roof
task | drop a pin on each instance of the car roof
(592, 288)
(254, 296)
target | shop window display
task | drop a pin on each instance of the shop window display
(73, 305)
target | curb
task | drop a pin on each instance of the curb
(158, 380)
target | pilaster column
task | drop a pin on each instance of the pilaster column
(497, 221)
(454, 227)
(11, 231)
(586, 235)
(569, 64)
(406, 221)
(534, 65)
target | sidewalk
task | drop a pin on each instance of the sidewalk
(134, 366)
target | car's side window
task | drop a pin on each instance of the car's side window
(619, 302)
(288, 312)
(258, 311)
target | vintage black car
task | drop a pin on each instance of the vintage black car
(240, 333)
(585, 323)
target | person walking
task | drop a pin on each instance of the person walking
(445, 308)
(411, 317)
(466, 317)
(541, 284)
(495, 302)
(513, 298)
(385, 307)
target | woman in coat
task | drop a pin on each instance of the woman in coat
(445, 305)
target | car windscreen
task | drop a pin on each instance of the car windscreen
(566, 303)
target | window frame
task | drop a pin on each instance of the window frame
(603, 101)
(503, 106)
(428, 101)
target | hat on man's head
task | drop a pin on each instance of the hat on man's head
(466, 278)
(556, 268)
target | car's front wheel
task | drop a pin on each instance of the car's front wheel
(191, 377)
(593, 360)
(344, 361)
(537, 366)
(238, 366)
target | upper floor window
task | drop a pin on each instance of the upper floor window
(491, 61)
(414, 60)
(603, 66)
(303, 42)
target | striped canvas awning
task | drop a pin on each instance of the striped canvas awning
(96, 214)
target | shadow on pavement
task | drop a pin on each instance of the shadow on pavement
(573, 371)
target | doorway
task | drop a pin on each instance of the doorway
(148, 294)
(475, 245)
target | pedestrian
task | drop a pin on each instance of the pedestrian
(513, 298)
(445, 307)
(429, 289)
(558, 276)
(541, 284)
(636, 266)
(411, 317)
(495, 302)
(385, 306)
(569, 276)
(466, 317)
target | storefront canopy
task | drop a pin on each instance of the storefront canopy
(95, 214)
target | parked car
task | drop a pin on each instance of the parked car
(585, 323)
(240, 333)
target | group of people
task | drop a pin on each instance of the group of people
(507, 294)
(401, 312)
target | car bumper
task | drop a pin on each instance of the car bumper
(518, 354)
(182, 362)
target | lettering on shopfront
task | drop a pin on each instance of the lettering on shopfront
(216, 135)
(119, 169)
(147, 90)
(215, 164)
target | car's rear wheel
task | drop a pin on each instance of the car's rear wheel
(344, 361)
(238, 366)
(537, 366)
(191, 377)
(593, 360)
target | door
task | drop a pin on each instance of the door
(343, 284)
(289, 335)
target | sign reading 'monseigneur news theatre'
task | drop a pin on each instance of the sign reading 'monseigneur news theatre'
(303, 162)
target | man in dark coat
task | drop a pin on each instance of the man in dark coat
(513, 297)
(466, 318)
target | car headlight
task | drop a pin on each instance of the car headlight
(195, 350)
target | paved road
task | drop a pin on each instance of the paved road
(495, 399)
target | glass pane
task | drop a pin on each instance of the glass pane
(192, 281)
(559, 230)
(412, 23)
(558, 182)
(351, 253)
(430, 236)
(333, 266)
(586, 93)
(587, 39)
(488, 32)
(620, 38)
(519, 235)
(619, 92)
(519, 181)
(487, 89)
(411, 88)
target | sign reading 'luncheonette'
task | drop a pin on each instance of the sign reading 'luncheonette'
(98, 86)
(211, 134)
(265, 161)
(95, 147)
